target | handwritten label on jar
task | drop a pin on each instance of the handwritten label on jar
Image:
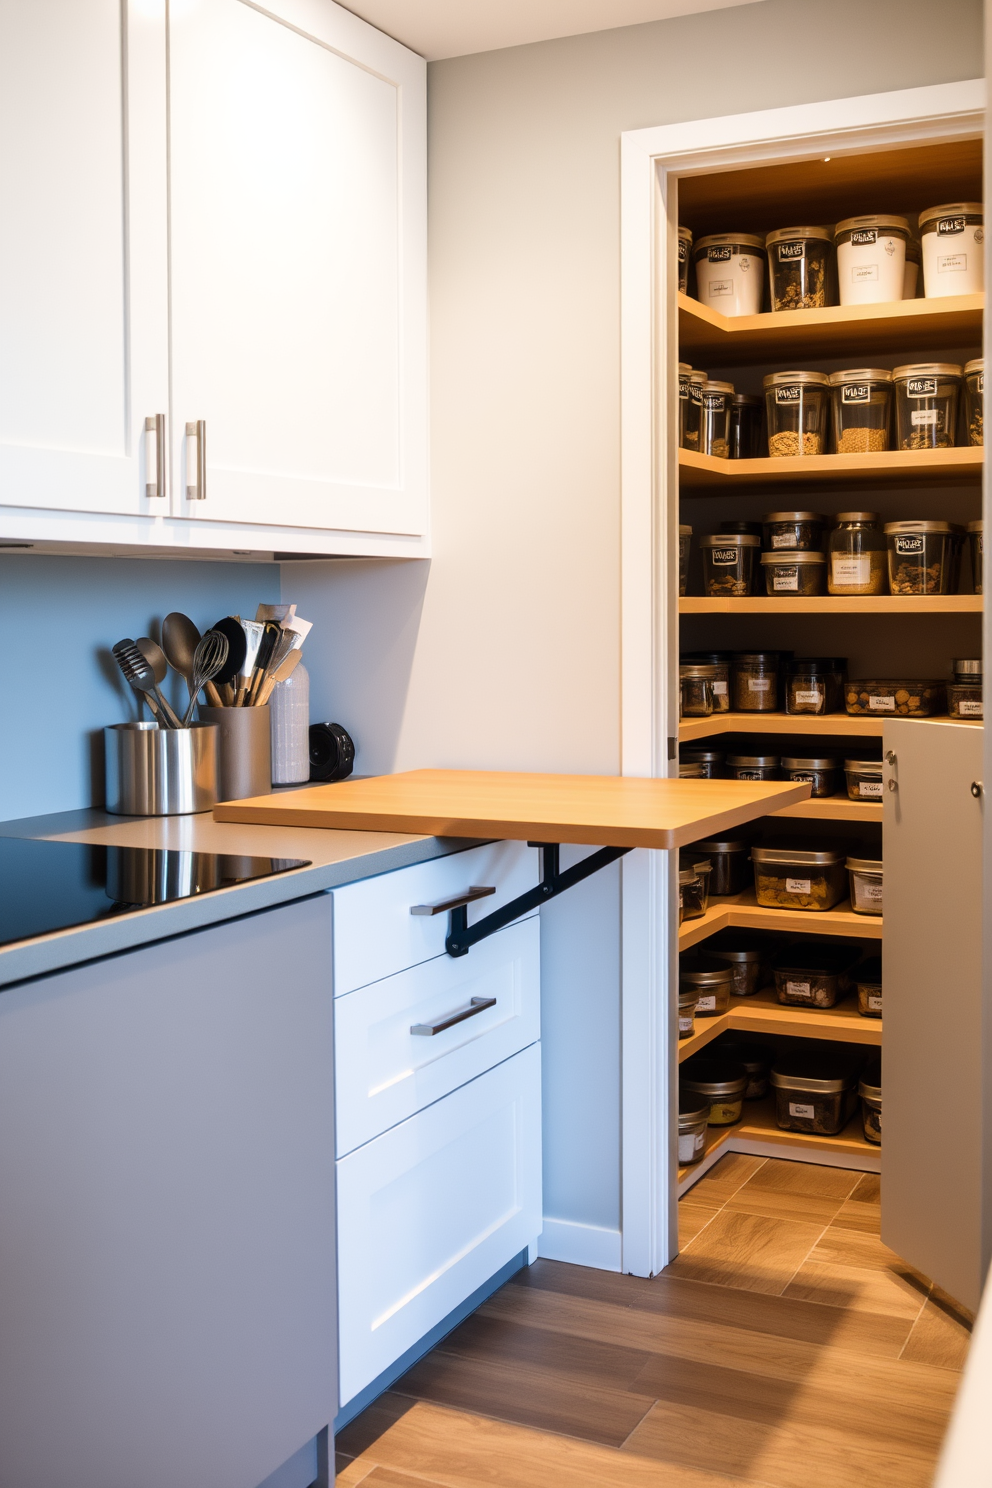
(870, 790)
(810, 699)
(706, 1004)
(802, 777)
(683, 251)
(720, 287)
(715, 402)
(785, 578)
(863, 236)
(878, 704)
(926, 418)
(798, 989)
(790, 251)
(870, 892)
(969, 708)
(864, 273)
(788, 394)
(721, 254)
(783, 540)
(723, 557)
(855, 392)
(759, 684)
(952, 263)
(685, 1024)
(804, 1113)
(950, 226)
(875, 1002)
(855, 572)
(690, 1145)
(921, 387)
(719, 689)
(797, 885)
(683, 387)
(748, 774)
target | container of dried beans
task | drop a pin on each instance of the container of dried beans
(862, 409)
(904, 697)
(964, 695)
(858, 555)
(728, 563)
(815, 1093)
(810, 974)
(790, 877)
(797, 404)
(799, 261)
(866, 875)
(927, 395)
(868, 980)
(974, 400)
(870, 1091)
(923, 557)
(720, 1082)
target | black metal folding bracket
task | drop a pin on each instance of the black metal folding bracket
(462, 936)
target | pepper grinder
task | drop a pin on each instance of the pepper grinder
(289, 707)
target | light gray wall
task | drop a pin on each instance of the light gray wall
(505, 649)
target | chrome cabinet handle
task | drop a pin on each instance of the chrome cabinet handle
(197, 431)
(890, 757)
(455, 902)
(977, 789)
(476, 1006)
(156, 425)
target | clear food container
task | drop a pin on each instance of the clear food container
(685, 257)
(747, 956)
(974, 400)
(953, 256)
(728, 563)
(964, 695)
(687, 1010)
(714, 425)
(728, 857)
(799, 267)
(976, 544)
(789, 877)
(795, 531)
(821, 772)
(709, 761)
(752, 1056)
(754, 767)
(871, 258)
(754, 681)
(720, 662)
(685, 547)
(794, 573)
(864, 779)
(905, 697)
(862, 406)
(858, 555)
(710, 980)
(730, 272)
(797, 404)
(695, 691)
(911, 280)
(694, 888)
(865, 874)
(868, 980)
(694, 1114)
(870, 1091)
(809, 974)
(745, 426)
(689, 406)
(927, 396)
(815, 1093)
(720, 1082)
(814, 684)
(923, 557)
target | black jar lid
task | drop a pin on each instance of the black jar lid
(751, 528)
(707, 658)
(818, 665)
(762, 658)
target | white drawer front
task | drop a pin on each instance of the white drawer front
(375, 934)
(428, 1211)
(384, 1073)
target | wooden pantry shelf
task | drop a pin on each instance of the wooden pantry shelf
(743, 911)
(705, 475)
(913, 326)
(835, 604)
(758, 1133)
(835, 808)
(764, 1014)
(835, 724)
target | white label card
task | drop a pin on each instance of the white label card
(805, 1113)
(851, 571)
(706, 1005)
(870, 790)
(798, 989)
(797, 885)
(881, 704)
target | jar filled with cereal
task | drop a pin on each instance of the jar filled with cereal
(862, 409)
(797, 404)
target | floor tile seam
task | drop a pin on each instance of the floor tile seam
(742, 1291)
(365, 1476)
(696, 1236)
(740, 1185)
(484, 1415)
(913, 1325)
(735, 1207)
(803, 1262)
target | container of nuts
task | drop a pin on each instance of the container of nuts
(858, 555)
(728, 563)
(902, 697)
(791, 877)
(862, 409)
(797, 404)
(927, 396)
(799, 266)
(794, 572)
(974, 400)
(923, 557)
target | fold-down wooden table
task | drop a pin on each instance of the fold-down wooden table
(621, 812)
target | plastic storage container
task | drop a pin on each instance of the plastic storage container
(905, 697)
(976, 533)
(710, 761)
(720, 662)
(796, 403)
(745, 426)
(754, 767)
(868, 980)
(974, 400)
(813, 684)
(695, 691)
(794, 531)
(685, 258)
(871, 258)
(711, 981)
(812, 975)
(821, 771)
(694, 1114)
(754, 681)
(694, 887)
(927, 395)
(911, 277)
(687, 1010)
(964, 695)
(953, 256)
(720, 1082)
(862, 407)
(685, 548)
(728, 857)
(870, 1091)
(751, 1055)
(858, 555)
(923, 557)
(864, 779)
(815, 1093)
(689, 405)
(799, 267)
(790, 877)
(289, 718)
(747, 956)
(728, 563)
(866, 876)
(794, 573)
(730, 272)
(714, 419)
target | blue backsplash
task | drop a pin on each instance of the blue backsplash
(60, 686)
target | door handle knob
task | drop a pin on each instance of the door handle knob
(976, 789)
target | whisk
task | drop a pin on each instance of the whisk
(209, 658)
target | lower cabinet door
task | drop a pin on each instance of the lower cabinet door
(431, 1209)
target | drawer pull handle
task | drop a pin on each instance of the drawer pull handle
(455, 902)
(477, 1005)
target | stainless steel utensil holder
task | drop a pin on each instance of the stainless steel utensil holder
(151, 771)
(244, 751)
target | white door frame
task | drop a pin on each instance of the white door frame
(651, 162)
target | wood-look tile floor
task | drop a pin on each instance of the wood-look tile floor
(785, 1347)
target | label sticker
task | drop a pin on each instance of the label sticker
(782, 539)
(881, 704)
(802, 777)
(683, 251)
(948, 226)
(791, 251)
(952, 263)
(760, 684)
(970, 708)
(720, 287)
(805, 1113)
(683, 387)
(797, 885)
(748, 774)
(864, 273)
(715, 402)
(875, 1001)
(870, 790)
(685, 1024)
(925, 418)
(862, 235)
(798, 989)
(719, 689)
(721, 254)
(695, 392)
(905, 546)
(855, 392)
(706, 1004)
(921, 387)
(723, 557)
(788, 394)
(871, 893)
(785, 578)
(810, 698)
(851, 571)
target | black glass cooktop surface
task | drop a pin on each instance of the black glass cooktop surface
(48, 886)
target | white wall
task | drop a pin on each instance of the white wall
(504, 651)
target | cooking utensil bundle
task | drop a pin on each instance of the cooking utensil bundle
(236, 663)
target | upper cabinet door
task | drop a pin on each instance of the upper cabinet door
(298, 270)
(83, 265)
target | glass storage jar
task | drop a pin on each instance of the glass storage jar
(694, 1114)
(953, 256)
(799, 267)
(730, 272)
(964, 695)
(811, 974)
(975, 543)
(864, 779)
(815, 1093)
(754, 767)
(814, 684)
(746, 953)
(794, 573)
(868, 980)
(745, 426)
(821, 771)
(796, 531)
(797, 404)
(714, 423)
(685, 256)
(685, 547)
(728, 858)
(720, 662)
(694, 890)
(690, 403)
(927, 395)
(752, 1056)
(905, 697)
(922, 557)
(858, 555)
(790, 877)
(687, 1010)
(710, 980)
(871, 258)
(695, 691)
(754, 681)
(721, 1082)
(865, 874)
(862, 407)
(728, 563)
(691, 772)
(870, 1091)
(911, 279)
(974, 400)
(709, 761)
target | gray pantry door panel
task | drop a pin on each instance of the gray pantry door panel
(167, 1291)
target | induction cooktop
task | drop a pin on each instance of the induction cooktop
(48, 886)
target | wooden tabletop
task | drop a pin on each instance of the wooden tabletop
(607, 810)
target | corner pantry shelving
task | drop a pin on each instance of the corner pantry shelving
(705, 474)
(742, 911)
